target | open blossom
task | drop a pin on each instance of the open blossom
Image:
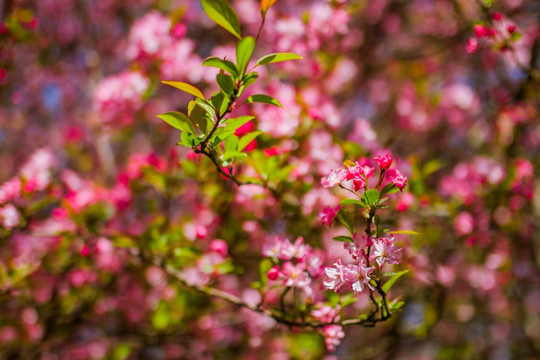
(359, 243)
(293, 250)
(283, 249)
(328, 214)
(397, 178)
(335, 177)
(296, 276)
(354, 275)
(384, 250)
(384, 161)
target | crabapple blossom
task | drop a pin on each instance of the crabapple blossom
(327, 215)
(384, 161)
(397, 178)
(384, 250)
(335, 177)
(296, 276)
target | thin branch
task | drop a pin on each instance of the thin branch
(370, 321)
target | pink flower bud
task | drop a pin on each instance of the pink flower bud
(220, 247)
(511, 29)
(179, 30)
(497, 16)
(273, 273)
(480, 31)
(384, 161)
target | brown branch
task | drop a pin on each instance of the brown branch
(370, 321)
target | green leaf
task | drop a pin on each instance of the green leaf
(226, 84)
(389, 189)
(353, 202)
(222, 13)
(408, 232)
(231, 143)
(179, 121)
(208, 107)
(250, 79)
(264, 266)
(222, 64)
(277, 57)
(233, 154)
(343, 238)
(261, 98)
(397, 305)
(393, 280)
(190, 89)
(199, 116)
(245, 140)
(244, 50)
(370, 197)
(233, 124)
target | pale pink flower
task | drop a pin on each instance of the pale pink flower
(464, 223)
(297, 250)
(359, 243)
(9, 216)
(118, 97)
(327, 215)
(384, 250)
(332, 336)
(384, 161)
(335, 177)
(397, 178)
(354, 275)
(359, 276)
(314, 261)
(326, 313)
(296, 276)
(148, 35)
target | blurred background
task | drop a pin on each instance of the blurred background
(95, 195)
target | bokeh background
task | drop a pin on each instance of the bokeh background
(94, 193)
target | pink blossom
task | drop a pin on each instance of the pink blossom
(335, 177)
(397, 178)
(332, 336)
(384, 250)
(9, 216)
(220, 247)
(480, 31)
(296, 276)
(314, 261)
(297, 250)
(118, 97)
(326, 313)
(405, 202)
(359, 243)
(148, 35)
(354, 275)
(328, 214)
(384, 161)
(464, 223)
(471, 46)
